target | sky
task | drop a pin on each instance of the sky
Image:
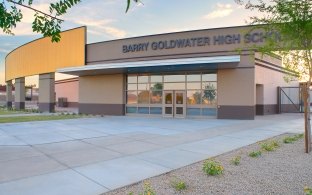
(107, 20)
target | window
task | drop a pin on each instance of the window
(145, 93)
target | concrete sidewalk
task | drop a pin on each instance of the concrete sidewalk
(95, 155)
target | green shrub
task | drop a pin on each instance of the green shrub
(292, 139)
(255, 154)
(269, 145)
(212, 167)
(308, 191)
(178, 184)
(299, 136)
(236, 160)
(147, 189)
(289, 140)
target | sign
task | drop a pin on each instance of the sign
(229, 39)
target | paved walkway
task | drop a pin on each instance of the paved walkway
(95, 155)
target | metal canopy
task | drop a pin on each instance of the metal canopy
(156, 66)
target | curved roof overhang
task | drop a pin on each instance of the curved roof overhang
(42, 56)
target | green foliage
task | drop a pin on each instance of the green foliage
(308, 191)
(212, 167)
(9, 17)
(236, 160)
(47, 24)
(178, 184)
(255, 154)
(147, 189)
(292, 139)
(292, 19)
(269, 145)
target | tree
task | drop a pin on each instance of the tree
(293, 20)
(47, 24)
(210, 93)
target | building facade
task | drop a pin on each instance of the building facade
(203, 73)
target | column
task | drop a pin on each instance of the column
(47, 92)
(20, 93)
(9, 96)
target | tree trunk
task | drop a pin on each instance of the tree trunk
(307, 125)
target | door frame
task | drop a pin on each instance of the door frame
(178, 105)
(174, 105)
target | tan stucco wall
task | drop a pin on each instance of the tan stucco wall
(46, 88)
(271, 79)
(236, 87)
(67, 89)
(102, 89)
(112, 51)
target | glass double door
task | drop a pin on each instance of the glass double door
(174, 104)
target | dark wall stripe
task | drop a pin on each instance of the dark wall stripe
(102, 109)
(236, 112)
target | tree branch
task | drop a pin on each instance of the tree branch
(36, 10)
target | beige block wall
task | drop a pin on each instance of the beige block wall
(102, 89)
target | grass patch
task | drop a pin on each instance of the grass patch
(269, 145)
(308, 191)
(255, 154)
(292, 139)
(178, 184)
(236, 160)
(36, 118)
(4, 111)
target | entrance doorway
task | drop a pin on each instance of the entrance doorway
(174, 104)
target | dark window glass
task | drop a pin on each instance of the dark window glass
(131, 109)
(193, 111)
(143, 110)
(156, 110)
(209, 111)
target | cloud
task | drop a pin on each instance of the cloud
(221, 11)
(98, 27)
(114, 32)
(2, 50)
(91, 22)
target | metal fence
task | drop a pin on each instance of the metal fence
(290, 100)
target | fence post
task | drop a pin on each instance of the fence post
(279, 100)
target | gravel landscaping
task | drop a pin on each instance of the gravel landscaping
(286, 170)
